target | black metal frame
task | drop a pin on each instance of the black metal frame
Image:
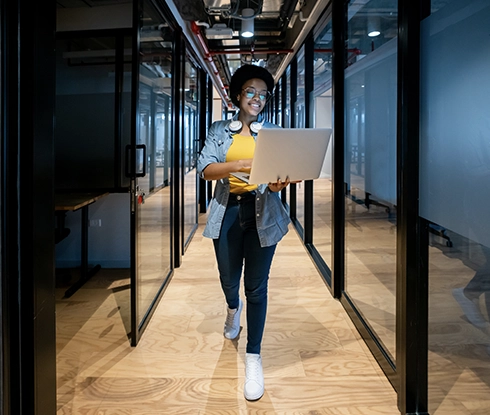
(135, 42)
(339, 27)
(10, 399)
(412, 231)
(27, 208)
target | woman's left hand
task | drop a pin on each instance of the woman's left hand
(279, 185)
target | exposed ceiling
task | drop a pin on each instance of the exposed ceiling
(274, 21)
(280, 27)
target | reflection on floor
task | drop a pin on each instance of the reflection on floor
(459, 350)
(314, 359)
(370, 237)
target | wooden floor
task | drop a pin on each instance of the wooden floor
(314, 360)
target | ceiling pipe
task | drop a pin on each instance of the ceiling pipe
(197, 31)
(250, 52)
(189, 35)
(354, 51)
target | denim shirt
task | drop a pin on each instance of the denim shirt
(271, 216)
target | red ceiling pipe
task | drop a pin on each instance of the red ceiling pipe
(197, 31)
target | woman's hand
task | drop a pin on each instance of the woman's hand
(218, 171)
(243, 164)
(279, 185)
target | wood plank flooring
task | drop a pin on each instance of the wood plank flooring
(314, 360)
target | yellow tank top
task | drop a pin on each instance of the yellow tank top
(243, 147)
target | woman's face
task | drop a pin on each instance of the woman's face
(253, 97)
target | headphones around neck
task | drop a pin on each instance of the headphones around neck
(236, 126)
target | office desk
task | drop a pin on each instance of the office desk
(71, 202)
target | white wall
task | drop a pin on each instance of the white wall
(323, 119)
(109, 244)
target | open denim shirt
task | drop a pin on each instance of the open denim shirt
(271, 216)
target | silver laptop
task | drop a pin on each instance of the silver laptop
(294, 153)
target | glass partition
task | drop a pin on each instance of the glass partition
(287, 103)
(370, 165)
(300, 122)
(155, 119)
(87, 133)
(278, 109)
(322, 109)
(286, 117)
(190, 183)
(454, 198)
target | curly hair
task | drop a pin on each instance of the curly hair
(243, 74)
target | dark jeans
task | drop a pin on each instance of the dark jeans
(239, 245)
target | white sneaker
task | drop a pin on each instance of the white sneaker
(471, 309)
(232, 323)
(254, 377)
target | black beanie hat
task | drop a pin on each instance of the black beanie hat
(243, 74)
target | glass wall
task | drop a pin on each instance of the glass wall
(370, 165)
(155, 118)
(89, 86)
(454, 198)
(190, 139)
(278, 108)
(300, 122)
(322, 109)
(287, 104)
(286, 115)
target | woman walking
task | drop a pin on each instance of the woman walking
(245, 221)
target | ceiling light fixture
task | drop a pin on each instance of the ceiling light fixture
(219, 31)
(373, 26)
(247, 22)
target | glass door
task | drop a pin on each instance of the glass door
(371, 168)
(149, 157)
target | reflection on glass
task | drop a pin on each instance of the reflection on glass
(454, 198)
(190, 151)
(286, 115)
(300, 119)
(370, 165)
(287, 104)
(85, 117)
(322, 108)
(154, 237)
(278, 93)
(162, 143)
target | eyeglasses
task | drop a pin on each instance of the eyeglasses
(251, 92)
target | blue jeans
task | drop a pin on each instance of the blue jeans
(238, 245)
